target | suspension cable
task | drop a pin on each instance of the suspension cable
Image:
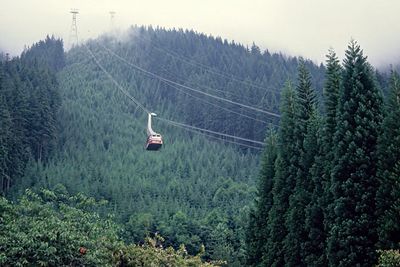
(208, 131)
(218, 138)
(134, 100)
(183, 81)
(147, 111)
(208, 68)
(215, 105)
(177, 124)
(187, 87)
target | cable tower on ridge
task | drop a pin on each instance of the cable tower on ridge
(73, 36)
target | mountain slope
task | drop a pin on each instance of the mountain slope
(195, 190)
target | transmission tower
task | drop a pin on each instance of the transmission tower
(112, 15)
(73, 36)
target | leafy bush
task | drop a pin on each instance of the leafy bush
(49, 228)
(389, 258)
(153, 254)
(52, 228)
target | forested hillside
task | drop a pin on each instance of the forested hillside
(328, 186)
(82, 190)
(29, 101)
(197, 189)
(211, 65)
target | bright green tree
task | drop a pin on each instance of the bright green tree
(49, 228)
(352, 236)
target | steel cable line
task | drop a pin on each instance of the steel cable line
(209, 131)
(228, 110)
(207, 68)
(187, 87)
(117, 84)
(181, 80)
(215, 105)
(215, 137)
(176, 124)
(200, 99)
(210, 69)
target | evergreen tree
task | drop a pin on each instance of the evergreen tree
(301, 163)
(313, 247)
(317, 224)
(307, 100)
(388, 195)
(29, 104)
(5, 137)
(353, 232)
(102, 135)
(49, 52)
(284, 180)
(331, 95)
(257, 232)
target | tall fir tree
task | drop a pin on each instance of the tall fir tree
(285, 179)
(257, 232)
(352, 237)
(301, 163)
(331, 95)
(317, 224)
(313, 247)
(5, 137)
(29, 103)
(388, 195)
(307, 100)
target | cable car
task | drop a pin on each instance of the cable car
(154, 140)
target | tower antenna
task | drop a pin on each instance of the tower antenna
(73, 36)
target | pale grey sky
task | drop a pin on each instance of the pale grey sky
(295, 27)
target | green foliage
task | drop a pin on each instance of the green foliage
(48, 52)
(318, 219)
(352, 235)
(301, 160)
(313, 247)
(151, 253)
(140, 225)
(388, 195)
(48, 229)
(284, 180)
(100, 142)
(53, 228)
(315, 200)
(209, 64)
(29, 101)
(389, 258)
(325, 181)
(331, 95)
(257, 232)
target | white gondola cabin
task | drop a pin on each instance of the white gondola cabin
(154, 140)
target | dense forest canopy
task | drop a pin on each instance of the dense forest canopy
(29, 102)
(67, 127)
(327, 186)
